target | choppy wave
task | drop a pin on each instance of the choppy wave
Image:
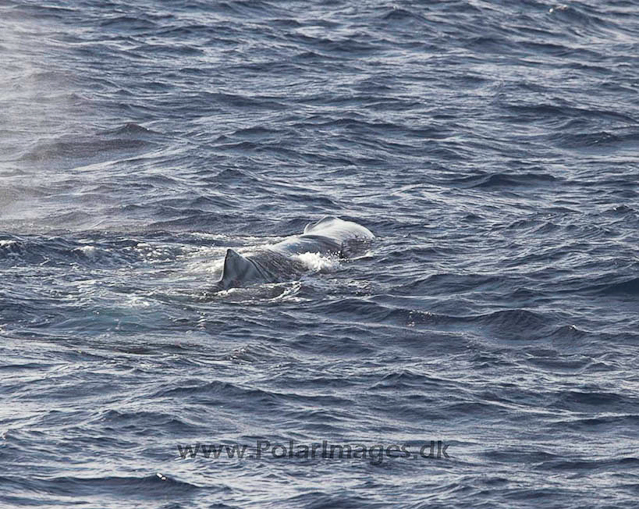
(490, 146)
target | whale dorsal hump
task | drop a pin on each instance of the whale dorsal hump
(322, 222)
(236, 267)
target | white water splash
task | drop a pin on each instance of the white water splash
(318, 263)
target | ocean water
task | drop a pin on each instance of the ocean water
(493, 149)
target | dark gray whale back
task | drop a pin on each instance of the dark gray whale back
(330, 236)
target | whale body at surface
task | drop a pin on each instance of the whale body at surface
(329, 236)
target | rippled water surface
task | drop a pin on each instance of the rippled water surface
(491, 147)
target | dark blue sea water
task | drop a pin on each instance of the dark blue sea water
(491, 146)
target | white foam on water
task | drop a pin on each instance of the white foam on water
(88, 251)
(318, 263)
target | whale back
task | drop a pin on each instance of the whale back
(338, 229)
(329, 236)
(325, 221)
